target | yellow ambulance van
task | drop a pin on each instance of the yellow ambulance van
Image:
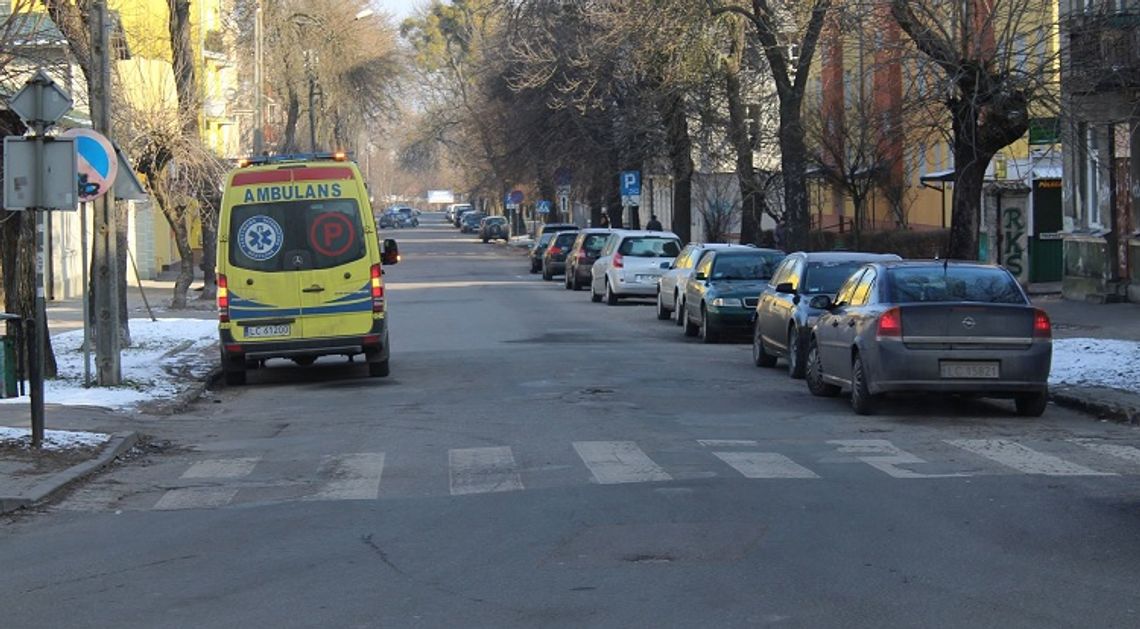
(300, 266)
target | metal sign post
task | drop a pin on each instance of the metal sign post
(40, 103)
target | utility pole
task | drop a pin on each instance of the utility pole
(105, 282)
(258, 80)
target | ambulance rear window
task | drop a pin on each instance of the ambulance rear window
(296, 235)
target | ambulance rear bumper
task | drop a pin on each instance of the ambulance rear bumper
(375, 342)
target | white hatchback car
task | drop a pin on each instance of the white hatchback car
(631, 264)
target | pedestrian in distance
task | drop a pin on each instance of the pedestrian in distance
(605, 220)
(654, 224)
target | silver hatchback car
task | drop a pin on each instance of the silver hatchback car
(931, 326)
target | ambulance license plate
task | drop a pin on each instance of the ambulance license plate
(264, 331)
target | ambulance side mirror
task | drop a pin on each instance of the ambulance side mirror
(391, 251)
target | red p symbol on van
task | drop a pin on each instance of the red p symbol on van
(332, 234)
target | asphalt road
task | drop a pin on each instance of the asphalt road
(539, 460)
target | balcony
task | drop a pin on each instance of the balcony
(1104, 52)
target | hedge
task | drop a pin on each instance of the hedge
(906, 243)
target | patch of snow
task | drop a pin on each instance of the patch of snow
(160, 351)
(53, 439)
(1096, 362)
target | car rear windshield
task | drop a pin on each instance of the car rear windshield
(939, 283)
(296, 235)
(565, 239)
(650, 247)
(496, 219)
(594, 243)
(827, 277)
(751, 266)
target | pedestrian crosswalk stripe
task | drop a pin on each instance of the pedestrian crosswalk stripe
(765, 465)
(222, 468)
(613, 462)
(196, 498)
(482, 470)
(728, 443)
(1128, 453)
(354, 476)
(1023, 459)
(886, 457)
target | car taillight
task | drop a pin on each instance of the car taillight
(619, 261)
(582, 255)
(555, 251)
(223, 299)
(377, 289)
(890, 323)
(1042, 328)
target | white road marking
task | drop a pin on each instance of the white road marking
(1023, 459)
(886, 457)
(483, 470)
(196, 498)
(613, 462)
(765, 465)
(728, 443)
(1128, 453)
(222, 468)
(355, 476)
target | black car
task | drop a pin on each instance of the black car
(469, 222)
(544, 238)
(585, 250)
(554, 258)
(783, 317)
(493, 227)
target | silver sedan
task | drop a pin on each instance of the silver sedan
(931, 326)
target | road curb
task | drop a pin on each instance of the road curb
(113, 449)
(1103, 409)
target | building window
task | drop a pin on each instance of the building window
(1090, 181)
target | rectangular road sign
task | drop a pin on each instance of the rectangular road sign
(630, 183)
(60, 174)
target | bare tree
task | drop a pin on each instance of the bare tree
(787, 31)
(718, 206)
(996, 60)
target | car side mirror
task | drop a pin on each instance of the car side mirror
(700, 277)
(820, 302)
(391, 253)
(666, 265)
(785, 288)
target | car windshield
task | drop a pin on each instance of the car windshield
(948, 283)
(287, 236)
(755, 266)
(650, 247)
(545, 239)
(827, 277)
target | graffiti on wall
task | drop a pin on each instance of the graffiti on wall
(1013, 232)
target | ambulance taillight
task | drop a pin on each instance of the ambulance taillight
(223, 299)
(377, 289)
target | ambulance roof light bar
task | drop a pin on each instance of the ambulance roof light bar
(260, 160)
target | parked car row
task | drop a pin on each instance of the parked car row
(871, 324)
(398, 217)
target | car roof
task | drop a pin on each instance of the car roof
(745, 251)
(846, 256)
(893, 264)
(625, 233)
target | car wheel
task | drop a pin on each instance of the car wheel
(566, 279)
(305, 361)
(574, 284)
(546, 274)
(533, 268)
(379, 368)
(235, 377)
(691, 329)
(708, 334)
(795, 354)
(760, 356)
(862, 402)
(485, 240)
(1031, 404)
(611, 297)
(814, 374)
(678, 310)
(594, 297)
(662, 312)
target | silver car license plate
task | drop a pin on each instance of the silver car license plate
(645, 278)
(264, 331)
(973, 369)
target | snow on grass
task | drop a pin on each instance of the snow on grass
(162, 355)
(53, 439)
(1096, 362)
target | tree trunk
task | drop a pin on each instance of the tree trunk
(292, 115)
(122, 225)
(751, 195)
(210, 213)
(681, 158)
(793, 156)
(969, 174)
(185, 264)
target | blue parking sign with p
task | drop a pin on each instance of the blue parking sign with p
(630, 182)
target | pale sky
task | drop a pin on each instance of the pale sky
(399, 9)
